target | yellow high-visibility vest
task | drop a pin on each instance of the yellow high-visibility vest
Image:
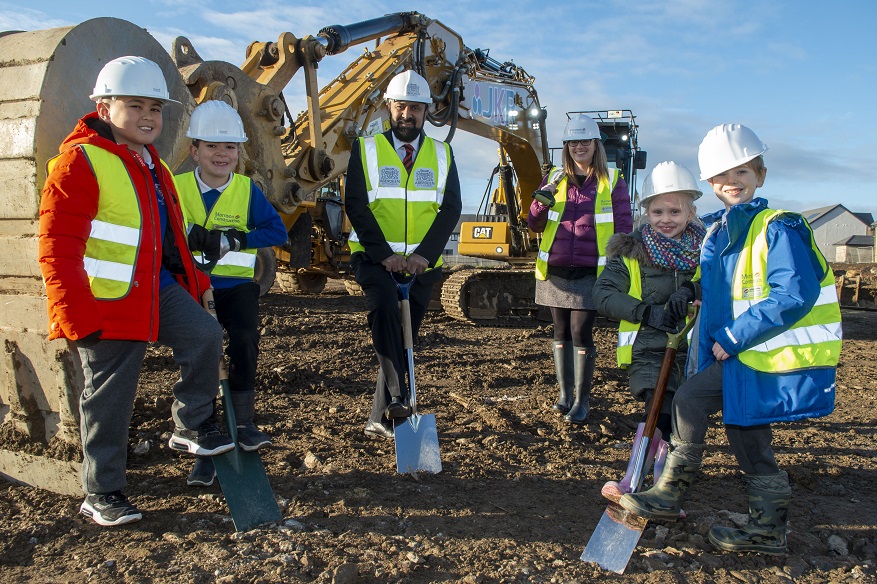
(231, 210)
(404, 205)
(112, 245)
(604, 220)
(627, 330)
(813, 341)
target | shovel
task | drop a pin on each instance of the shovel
(417, 446)
(241, 474)
(619, 530)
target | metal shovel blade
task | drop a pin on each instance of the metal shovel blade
(246, 489)
(417, 445)
(241, 474)
(619, 530)
(615, 538)
(242, 477)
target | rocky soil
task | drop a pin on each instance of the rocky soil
(517, 500)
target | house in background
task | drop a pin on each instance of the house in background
(834, 228)
(855, 249)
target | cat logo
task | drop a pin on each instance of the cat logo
(482, 232)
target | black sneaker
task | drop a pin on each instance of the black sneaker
(109, 509)
(250, 438)
(203, 472)
(207, 440)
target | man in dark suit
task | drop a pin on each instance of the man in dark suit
(403, 200)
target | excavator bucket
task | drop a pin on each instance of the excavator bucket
(46, 77)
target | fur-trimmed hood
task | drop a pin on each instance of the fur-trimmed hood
(628, 245)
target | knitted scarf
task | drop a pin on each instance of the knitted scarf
(673, 254)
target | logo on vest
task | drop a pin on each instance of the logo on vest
(481, 232)
(424, 178)
(752, 286)
(226, 218)
(390, 176)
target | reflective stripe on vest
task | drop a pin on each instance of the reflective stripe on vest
(604, 221)
(404, 205)
(813, 341)
(627, 330)
(231, 210)
(114, 241)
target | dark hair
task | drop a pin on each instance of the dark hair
(757, 166)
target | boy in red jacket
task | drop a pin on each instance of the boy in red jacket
(118, 274)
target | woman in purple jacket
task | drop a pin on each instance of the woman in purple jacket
(577, 210)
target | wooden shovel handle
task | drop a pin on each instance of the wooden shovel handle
(673, 340)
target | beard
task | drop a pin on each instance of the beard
(406, 132)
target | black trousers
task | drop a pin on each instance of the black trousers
(238, 312)
(385, 322)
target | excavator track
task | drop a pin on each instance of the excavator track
(493, 297)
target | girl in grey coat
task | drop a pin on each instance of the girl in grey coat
(644, 271)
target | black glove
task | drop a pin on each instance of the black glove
(654, 317)
(232, 240)
(89, 341)
(544, 197)
(677, 304)
(208, 242)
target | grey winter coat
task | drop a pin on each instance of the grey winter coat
(613, 301)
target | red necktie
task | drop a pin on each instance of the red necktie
(408, 161)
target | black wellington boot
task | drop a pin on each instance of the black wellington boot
(584, 360)
(565, 369)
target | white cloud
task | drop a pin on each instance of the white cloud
(20, 18)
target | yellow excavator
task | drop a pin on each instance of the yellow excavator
(298, 162)
(500, 231)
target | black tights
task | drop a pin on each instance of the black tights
(574, 325)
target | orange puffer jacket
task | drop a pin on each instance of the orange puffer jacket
(69, 204)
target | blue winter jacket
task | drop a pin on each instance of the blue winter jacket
(794, 273)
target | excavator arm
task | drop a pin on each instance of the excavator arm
(298, 162)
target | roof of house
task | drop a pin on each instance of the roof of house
(857, 241)
(815, 214)
(866, 218)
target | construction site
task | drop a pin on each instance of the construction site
(519, 491)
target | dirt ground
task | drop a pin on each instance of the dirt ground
(517, 500)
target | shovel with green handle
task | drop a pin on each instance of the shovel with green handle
(241, 474)
(619, 530)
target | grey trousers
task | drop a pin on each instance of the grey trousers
(701, 396)
(111, 371)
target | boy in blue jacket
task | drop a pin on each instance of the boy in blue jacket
(769, 342)
(220, 204)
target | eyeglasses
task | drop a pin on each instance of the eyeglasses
(574, 143)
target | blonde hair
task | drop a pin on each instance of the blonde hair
(599, 166)
(644, 216)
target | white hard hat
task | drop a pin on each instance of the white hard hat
(131, 76)
(669, 177)
(216, 121)
(581, 127)
(727, 146)
(408, 86)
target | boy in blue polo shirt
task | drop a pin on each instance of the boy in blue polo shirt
(231, 206)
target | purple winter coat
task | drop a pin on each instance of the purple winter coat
(575, 243)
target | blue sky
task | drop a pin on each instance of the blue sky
(800, 73)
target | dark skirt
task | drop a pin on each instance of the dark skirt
(562, 293)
